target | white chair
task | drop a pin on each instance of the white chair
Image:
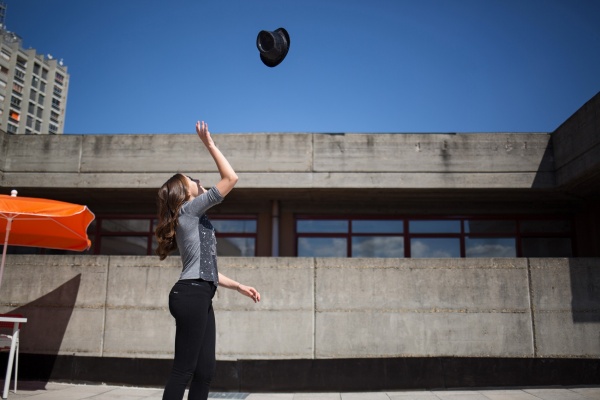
(10, 324)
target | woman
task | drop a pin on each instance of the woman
(183, 225)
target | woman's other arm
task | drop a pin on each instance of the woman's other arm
(243, 289)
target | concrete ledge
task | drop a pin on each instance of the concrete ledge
(292, 180)
(296, 161)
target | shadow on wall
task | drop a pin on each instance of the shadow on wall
(545, 177)
(585, 289)
(47, 321)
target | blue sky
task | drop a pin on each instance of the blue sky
(149, 66)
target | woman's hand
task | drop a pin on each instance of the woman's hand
(249, 291)
(204, 134)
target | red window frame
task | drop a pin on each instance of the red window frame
(462, 235)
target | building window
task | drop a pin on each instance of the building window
(31, 108)
(32, 95)
(236, 236)
(57, 91)
(123, 236)
(5, 53)
(42, 86)
(55, 104)
(52, 128)
(15, 102)
(3, 69)
(14, 116)
(22, 63)
(41, 99)
(134, 235)
(11, 128)
(38, 125)
(40, 112)
(19, 76)
(54, 116)
(29, 121)
(433, 238)
(17, 88)
(59, 78)
(44, 73)
(34, 82)
(36, 68)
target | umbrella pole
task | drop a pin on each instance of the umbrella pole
(8, 225)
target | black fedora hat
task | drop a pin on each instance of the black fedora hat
(273, 46)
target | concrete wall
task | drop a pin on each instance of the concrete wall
(576, 145)
(111, 306)
(284, 161)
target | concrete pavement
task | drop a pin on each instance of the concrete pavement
(63, 391)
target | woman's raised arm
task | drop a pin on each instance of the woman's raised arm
(228, 176)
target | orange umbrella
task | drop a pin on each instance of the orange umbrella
(33, 222)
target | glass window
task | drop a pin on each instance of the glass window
(44, 73)
(441, 226)
(42, 87)
(490, 247)
(378, 246)
(31, 108)
(36, 68)
(234, 225)
(546, 226)
(124, 245)
(546, 247)
(125, 225)
(41, 99)
(19, 75)
(34, 82)
(38, 125)
(490, 226)
(434, 247)
(39, 112)
(322, 247)
(15, 102)
(236, 246)
(377, 226)
(322, 226)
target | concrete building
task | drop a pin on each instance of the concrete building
(384, 260)
(33, 88)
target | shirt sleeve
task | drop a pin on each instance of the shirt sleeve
(202, 203)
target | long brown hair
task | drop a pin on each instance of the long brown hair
(171, 197)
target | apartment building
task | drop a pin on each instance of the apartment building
(33, 89)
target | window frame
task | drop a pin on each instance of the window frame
(462, 235)
(151, 218)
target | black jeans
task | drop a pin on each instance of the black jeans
(190, 303)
